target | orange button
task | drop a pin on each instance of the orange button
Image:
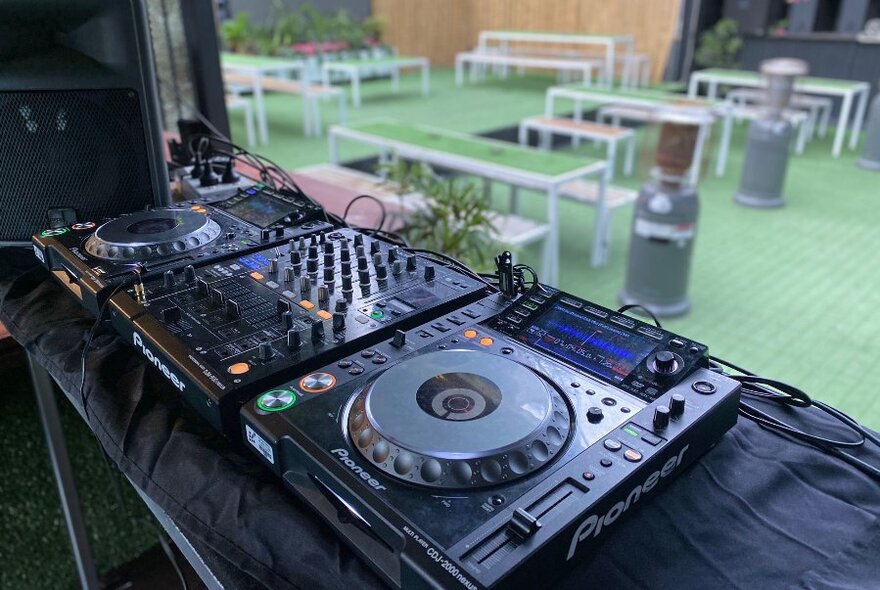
(256, 276)
(486, 341)
(238, 368)
(470, 333)
(196, 207)
(306, 304)
(324, 315)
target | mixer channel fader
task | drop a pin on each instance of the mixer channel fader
(231, 327)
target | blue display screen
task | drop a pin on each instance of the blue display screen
(588, 343)
(260, 210)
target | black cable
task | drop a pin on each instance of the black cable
(91, 335)
(774, 391)
(369, 198)
(626, 308)
(447, 260)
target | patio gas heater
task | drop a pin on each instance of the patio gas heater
(767, 148)
(664, 224)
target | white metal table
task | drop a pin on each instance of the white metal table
(491, 160)
(846, 90)
(353, 69)
(611, 43)
(257, 68)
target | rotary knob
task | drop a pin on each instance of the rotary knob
(329, 274)
(265, 351)
(323, 294)
(396, 267)
(393, 254)
(341, 305)
(168, 279)
(328, 247)
(411, 263)
(346, 283)
(317, 331)
(294, 338)
(676, 405)
(288, 274)
(364, 276)
(345, 254)
(305, 285)
(273, 265)
(594, 415)
(338, 321)
(287, 320)
(429, 272)
(362, 263)
(189, 274)
(295, 258)
(665, 363)
(358, 240)
(374, 247)
(377, 259)
(312, 265)
(381, 272)
(661, 417)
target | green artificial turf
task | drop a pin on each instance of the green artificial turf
(790, 293)
(477, 148)
(34, 547)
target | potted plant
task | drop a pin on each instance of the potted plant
(720, 46)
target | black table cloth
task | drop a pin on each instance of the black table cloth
(758, 511)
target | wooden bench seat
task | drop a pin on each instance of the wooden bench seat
(587, 127)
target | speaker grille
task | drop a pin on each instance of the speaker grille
(79, 149)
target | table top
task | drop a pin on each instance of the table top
(259, 62)
(377, 61)
(658, 96)
(757, 511)
(551, 36)
(755, 78)
(484, 150)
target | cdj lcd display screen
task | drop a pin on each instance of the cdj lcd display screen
(588, 343)
(260, 210)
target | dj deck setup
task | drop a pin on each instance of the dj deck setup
(455, 434)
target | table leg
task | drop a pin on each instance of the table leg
(579, 117)
(693, 86)
(611, 156)
(249, 124)
(523, 134)
(548, 105)
(316, 117)
(343, 114)
(333, 144)
(487, 191)
(395, 79)
(860, 117)
(503, 49)
(355, 87)
(698, 154)
(426, 79)
(260, 103)
(803, 133)
(842, 124)
(826, 119)
(553, 238)
(630, 156)
(724, 148)
(459, 70)
(712, 90)
(598, 254)
(609, 65)
(514, 198)
(76, 528)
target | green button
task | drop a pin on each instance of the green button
(630, 431)
(276, 400)
(377, 314)
(48, 233)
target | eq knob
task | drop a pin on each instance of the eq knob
(345, 254)
(360, 252)
(676, 405)
(265, 234)
(317, 331)
(301, 245)
(374, 247)
(287, 320)
(346, 283)
(295, 258)
(294, 338)
(329, 260)
(305, 285)
(396, 267)
(338, 321)
(377, 259)
(381, 272)
(358, 240)
(323, 294)
(594, 415)
(411, 263)
(661, 417)
(362, 263)
(265, 352)
(364, 276)
(313, 252)
(312, 266)
(346, 268)
(329, 275)
(168, 279)
(341, 305)
(273, 265)
(328, 247)
(189, 274)
(313, 241)
(429, 272)
(393, 254)
(291, 245)
(288, 274)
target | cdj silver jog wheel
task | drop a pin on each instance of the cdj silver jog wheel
(147, 235)
(459, 419)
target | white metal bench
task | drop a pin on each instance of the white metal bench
(511, 230)
(585, 67)
(610, 136)
(311, 94)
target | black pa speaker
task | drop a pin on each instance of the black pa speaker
(80, 132)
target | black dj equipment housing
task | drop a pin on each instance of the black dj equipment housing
(79, 120)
